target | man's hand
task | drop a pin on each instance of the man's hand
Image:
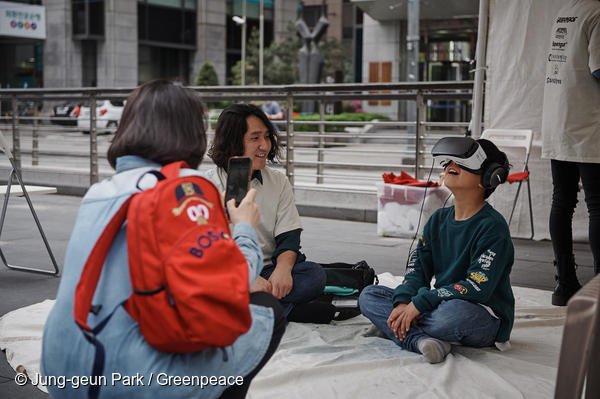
(281, 282)
(260, 284)
(401, 319)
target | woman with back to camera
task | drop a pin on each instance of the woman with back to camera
(162, 123)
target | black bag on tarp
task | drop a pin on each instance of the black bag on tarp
(356, 276)
(329, 306)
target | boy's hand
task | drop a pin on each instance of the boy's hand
(401, 319)
(393, 320)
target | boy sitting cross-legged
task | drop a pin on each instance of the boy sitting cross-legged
(468, 249)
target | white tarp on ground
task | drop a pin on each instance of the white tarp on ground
(331, 361)
(518, 39)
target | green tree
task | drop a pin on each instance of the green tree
(281, 59)
(207, 75)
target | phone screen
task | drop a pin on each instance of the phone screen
(238, 178)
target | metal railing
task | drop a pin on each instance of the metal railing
(319, 153)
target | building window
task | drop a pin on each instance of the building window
(89, 63)
(163, 62)
(169, 23)
(234, 31)
(88, 19)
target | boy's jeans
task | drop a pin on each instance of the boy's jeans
(455, 321)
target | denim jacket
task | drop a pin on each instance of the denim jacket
(67, 354)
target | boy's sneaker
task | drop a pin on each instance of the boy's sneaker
(434, 350)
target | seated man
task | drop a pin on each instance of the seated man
(273, 112)
(245, 130)
(468, 249)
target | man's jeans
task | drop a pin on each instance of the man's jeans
(455, 321)
(309, 282)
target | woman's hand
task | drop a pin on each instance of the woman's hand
(260, 284)
(247, 212)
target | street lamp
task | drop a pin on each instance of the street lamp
(242, 21)
(261, 42)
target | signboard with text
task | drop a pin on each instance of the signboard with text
(22, 20)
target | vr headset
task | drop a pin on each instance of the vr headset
(468, 154)
(464, 151)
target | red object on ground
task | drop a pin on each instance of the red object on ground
(406, 180)
(515, 177)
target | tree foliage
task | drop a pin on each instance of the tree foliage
(281, 59)
(207, 75)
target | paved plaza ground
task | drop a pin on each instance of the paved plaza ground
(323, 240)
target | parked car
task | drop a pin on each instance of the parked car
(108, 115)
(66, 114)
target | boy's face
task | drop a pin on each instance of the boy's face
(456, 178)
(257, 142)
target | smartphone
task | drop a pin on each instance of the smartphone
(238, 179)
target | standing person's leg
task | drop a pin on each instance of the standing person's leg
(279, 323)
(590, 177)
(565, 182)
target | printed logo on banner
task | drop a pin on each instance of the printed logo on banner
(555, 69)
(553, 81)
(560, 33)
(557, 58)
(558, 45)
(23, 20)
(566, 20)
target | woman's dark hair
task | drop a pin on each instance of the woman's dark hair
(230, 130)
(163, 123)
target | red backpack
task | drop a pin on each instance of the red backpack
(188, 276)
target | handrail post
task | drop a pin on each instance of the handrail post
(35, 153)
(289, 157)
(320, 153)
(93, 141)
(16, 151)
(421, 115)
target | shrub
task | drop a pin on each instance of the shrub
(343, 117)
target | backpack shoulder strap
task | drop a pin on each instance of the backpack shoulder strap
(90, 275)
(171, 171)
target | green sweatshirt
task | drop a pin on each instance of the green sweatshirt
(470, 259)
